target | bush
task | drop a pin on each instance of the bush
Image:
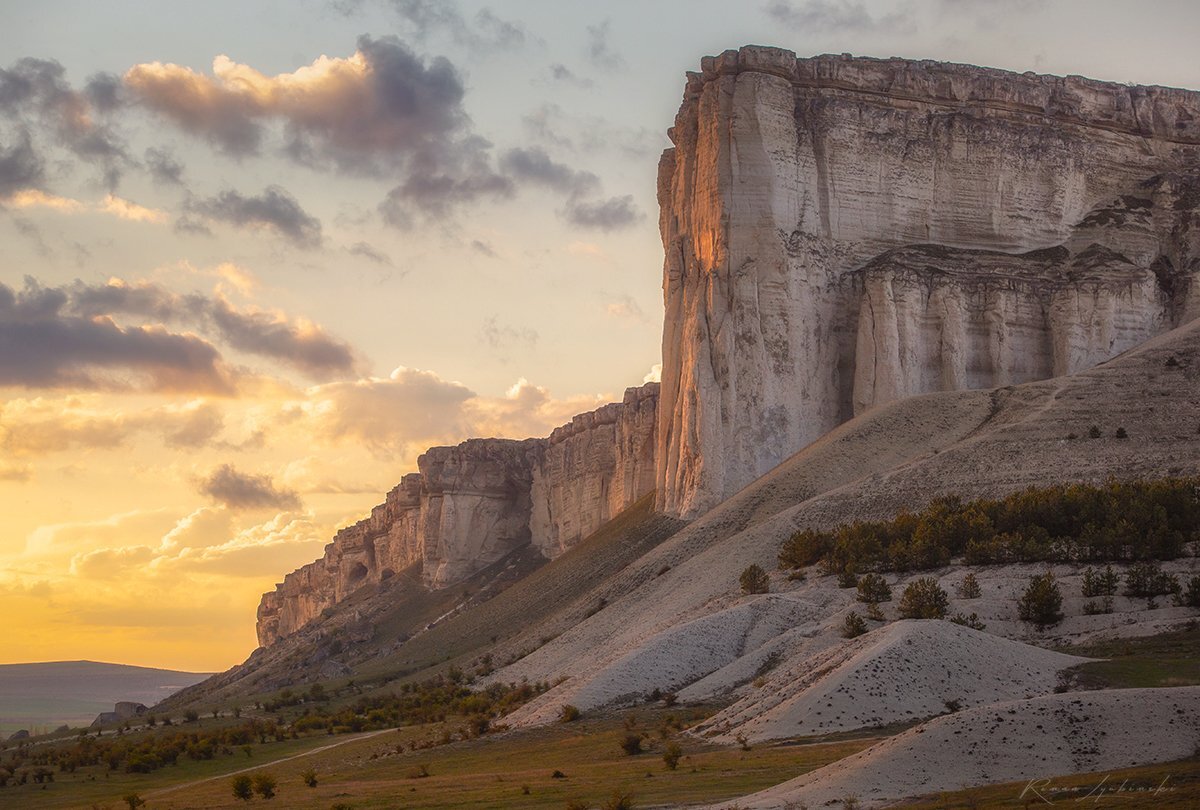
(1094, 432)
(1041, 603)
(971, 621)
(264, 785)
(924, 599)
(873, 589)
(1190, 596)
(755, 580)
(1147, 579)
(847, 578)
(1100, 583)
(671, 756)
(804, 548)
(1121, 434)
(968, 588)
(243, 787)
(620, 801)
(134, 801)
(632, 744)
(309, 777)
(568, 713)
(853, 626)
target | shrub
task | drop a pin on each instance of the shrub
(1100, 583)
(632, 744)
(755, 580)
(968, 588)
(1121, 434)
(847, 578)
(971, 621)
(671, 756)
(1190, 596)
(620, 800)
(874, 589)
(264, 785)
(1147, 579)
(853, 626)
(804, 548)
(1093, 608)
(924, 599)
(243, 787)
(1041, 603)
(134, 801)
(1094, 432)
(191, 716)
(309, 777)
(568, 713)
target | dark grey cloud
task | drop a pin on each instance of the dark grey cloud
(237, 490)
(20, 166)
(836, 16)
(486, 31)
(612, 214)
(369, 253)
(163, 167)
(36, 97)
(599, 49)
(305, 347)
(44, 346)
(561, 73)
(532, 165)
(275, 210)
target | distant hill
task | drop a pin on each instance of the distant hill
(43, 696)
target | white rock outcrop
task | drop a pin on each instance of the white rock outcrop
(842, 231)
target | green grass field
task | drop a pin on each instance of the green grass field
(1169, 659)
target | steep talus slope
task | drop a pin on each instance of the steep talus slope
(900, 672)
(1040, 738)
(897, 456)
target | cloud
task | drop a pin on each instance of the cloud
(34, 198)
(561, 73)
(274, 210)
(236, 490)
(624, 308)
(599, 49)
(35, 96)
(164, 168)
(125, 209)
(552, 125)
(20, 166)
(111, 204)
(612, 214)
(427, 18)
(43, 346)
(484, 248)
(654, 374)
(534, 166)
(69, 336)
(369, 253)
(301, 344)
(500, 336)
(835, 16)
(38, 427)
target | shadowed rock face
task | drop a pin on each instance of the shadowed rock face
(473, 504)
(841, 231)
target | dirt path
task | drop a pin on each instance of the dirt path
(163, 791)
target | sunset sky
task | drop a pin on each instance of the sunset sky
(256, 256)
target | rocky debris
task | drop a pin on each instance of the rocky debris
(473, 504)
(1037, 739)
(840, 232)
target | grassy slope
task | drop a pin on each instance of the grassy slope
(486, 773)
(1170, 659)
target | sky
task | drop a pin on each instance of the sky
(256, 257)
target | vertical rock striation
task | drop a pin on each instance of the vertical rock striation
(473, 504)
(841, 231)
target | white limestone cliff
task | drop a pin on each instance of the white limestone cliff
(841, 231)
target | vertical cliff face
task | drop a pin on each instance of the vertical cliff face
(473, 504)
(593, 468)
(839, 232)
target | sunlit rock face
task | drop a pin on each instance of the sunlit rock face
(593, 468)
(472, 505)
(841, 231)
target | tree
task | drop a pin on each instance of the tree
(873, 589)
(309, 777)
(755, 580)
(1041, 603)
(632, 744)
(804, 548)
(853, 626)
(243, 787)
(568, 713)
(671, 755)
(968, 588)
(264, 785)
(924, 599)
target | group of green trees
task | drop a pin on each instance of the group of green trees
(1115, 521)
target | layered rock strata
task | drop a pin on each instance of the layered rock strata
(841, 231)
(471, 505)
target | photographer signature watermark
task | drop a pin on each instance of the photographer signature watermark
(1048, 792)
